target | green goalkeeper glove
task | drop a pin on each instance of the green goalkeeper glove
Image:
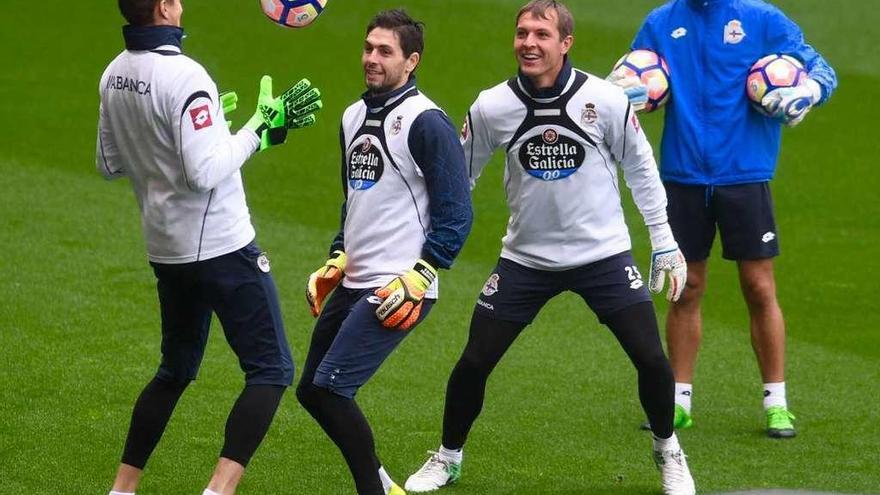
(229, 102)
(300, 104)
(269, 119)
(402, 297)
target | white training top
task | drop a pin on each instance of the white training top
(387, 208)
(161, 125)
(561, 173)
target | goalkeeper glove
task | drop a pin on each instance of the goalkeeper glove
(269, 119)
(324, 280)
(229, 102)
(402, 297)
(666, 258)
(791, 105)
(632, 86)
(300, 104)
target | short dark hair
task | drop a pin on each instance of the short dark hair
(539, 8)
(138, 12)
(410, 32)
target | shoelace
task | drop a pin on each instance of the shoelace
(434, 464)
(780, 417)
(674, 472)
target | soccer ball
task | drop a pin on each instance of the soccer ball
(293, 13)
(652, 70)
(772, 72)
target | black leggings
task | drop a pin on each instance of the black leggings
(634, 327)
(245, 428)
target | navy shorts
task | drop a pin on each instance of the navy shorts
(238, 287)
(742, 212)
(516, 293)
(349, 342)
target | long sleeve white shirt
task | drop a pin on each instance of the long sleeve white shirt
(162, 126)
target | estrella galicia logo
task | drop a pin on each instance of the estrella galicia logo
(551, 155)
(365, 165)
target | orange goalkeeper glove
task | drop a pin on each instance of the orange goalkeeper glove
(402, 297)
(324, 280)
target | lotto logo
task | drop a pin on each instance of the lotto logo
(201, 117)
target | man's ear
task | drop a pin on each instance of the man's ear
(160, 13)
(412, 62)
(566, 44)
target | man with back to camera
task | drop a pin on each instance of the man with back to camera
(562, 131)
(162, 124)
(407, 212)
(717, 158)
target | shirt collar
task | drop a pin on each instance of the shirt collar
(377, 103)
(551, 92)
(151, 37)
(700, 4)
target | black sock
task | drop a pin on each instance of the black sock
(148, 420)
(636, 329)
(345, 424)
(489, 339)
(249, 421)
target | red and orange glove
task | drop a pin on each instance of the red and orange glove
(402, 297)
(324, 280)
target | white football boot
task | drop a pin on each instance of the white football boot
(433, 475)
(676, 476)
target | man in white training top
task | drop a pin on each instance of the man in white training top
(162, 125)
(564, 132)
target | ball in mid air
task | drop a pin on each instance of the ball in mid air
(293, 13)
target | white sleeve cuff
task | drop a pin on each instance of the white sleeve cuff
(661, 237)
(250, 137)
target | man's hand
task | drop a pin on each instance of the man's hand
(324, 280)
(229, 102)
(634, 88)
(791, 105)
(300, 104)
(666, 259)
(268, 122)
(402, 297)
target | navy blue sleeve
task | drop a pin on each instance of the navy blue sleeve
(339, 240)
(433, 142)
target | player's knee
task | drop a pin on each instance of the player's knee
(693, 290)
(306, 394)
(473, 362)
(759, 292)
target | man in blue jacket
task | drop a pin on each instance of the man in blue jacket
(718, 156)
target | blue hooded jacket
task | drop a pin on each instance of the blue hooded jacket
(711, 134)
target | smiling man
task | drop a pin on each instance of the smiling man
(563, 131)
(407, 212)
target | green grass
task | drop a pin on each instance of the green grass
(79, 316)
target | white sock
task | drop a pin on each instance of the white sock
(208, 491)
(112, 492)
(386, 480)
(453, 456)
(683, 393)
(670, 443)
(774, 395)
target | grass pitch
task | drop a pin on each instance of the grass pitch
(79, 321)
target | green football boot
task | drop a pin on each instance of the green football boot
(682, 418)
(681, 421)
(779, 423)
